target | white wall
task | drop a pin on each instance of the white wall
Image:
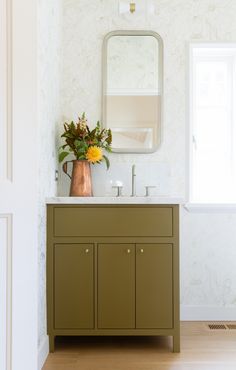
(49, 29)
(208, 243)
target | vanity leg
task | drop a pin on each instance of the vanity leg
(51, 343)
(176, 343)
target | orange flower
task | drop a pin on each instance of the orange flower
(94, 154)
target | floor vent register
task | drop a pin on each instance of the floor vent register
(220, 326)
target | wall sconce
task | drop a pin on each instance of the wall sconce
(136, 7)
(132, 7)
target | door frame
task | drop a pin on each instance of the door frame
(18, 184)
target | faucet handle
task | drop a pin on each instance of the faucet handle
(148, 187)
(119, 190)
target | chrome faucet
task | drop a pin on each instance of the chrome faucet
(133, 194)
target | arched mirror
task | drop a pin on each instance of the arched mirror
(132, 90)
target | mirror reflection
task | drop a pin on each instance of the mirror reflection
(132, 85)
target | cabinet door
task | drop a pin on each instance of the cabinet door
(74, 286)
(116, 286)
(154, 286)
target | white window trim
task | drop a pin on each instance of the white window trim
(191, 206)
(211, 207)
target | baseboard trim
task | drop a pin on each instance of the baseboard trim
(43, 352)
(207, 313)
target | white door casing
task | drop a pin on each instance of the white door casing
(18, 185)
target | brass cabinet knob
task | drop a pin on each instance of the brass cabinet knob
(141, 250)
(86, 250)
(128, 251)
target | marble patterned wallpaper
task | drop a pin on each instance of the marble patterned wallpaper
(49, 59)
(208, 273)
(208, 260)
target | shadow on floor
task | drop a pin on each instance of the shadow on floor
(99, 343)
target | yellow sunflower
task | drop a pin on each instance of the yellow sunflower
(94, 154)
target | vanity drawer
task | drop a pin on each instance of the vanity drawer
(113, 221)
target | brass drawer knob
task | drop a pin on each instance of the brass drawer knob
(128, 251)
(86, 250)
(141, 250)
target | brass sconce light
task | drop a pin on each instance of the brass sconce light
(132, 8)
(129, 7)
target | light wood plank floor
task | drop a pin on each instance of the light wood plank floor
(201, 349)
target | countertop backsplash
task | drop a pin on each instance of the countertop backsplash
(147, 174)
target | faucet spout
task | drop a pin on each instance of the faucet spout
(133, 194)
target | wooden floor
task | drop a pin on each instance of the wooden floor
(201, 349)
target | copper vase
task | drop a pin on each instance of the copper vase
(81, 183)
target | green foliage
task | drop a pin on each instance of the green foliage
(78, 138)
(107, 161)
(62, 156)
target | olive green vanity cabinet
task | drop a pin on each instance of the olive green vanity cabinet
(113, 270)
(154, 287)
(116, 286)
(74, 286)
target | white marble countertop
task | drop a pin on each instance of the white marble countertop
(115, 200)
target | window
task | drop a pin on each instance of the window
(213, 124)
